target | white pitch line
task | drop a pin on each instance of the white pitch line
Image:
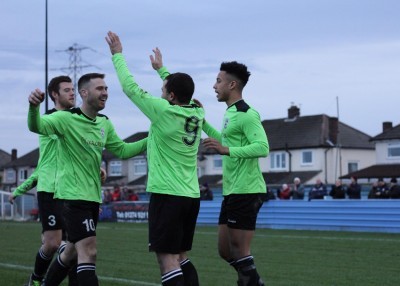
(288, 236)
(105, 278)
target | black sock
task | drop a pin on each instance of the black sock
(189, 273)
(247, 272)
(233, 264)
(42, 263)
(173, 278)
(56, 273)
(72, 276)
(86, 273)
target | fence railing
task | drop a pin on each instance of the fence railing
(23, 208)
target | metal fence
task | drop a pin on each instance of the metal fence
(24, 207)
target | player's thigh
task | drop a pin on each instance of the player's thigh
(50, 212)
(240, 242)
(224, 248)
(80, 219)
(86, 249)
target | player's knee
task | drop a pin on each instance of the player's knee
(224, 255)
(51, 246)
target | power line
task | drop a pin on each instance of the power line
(75, 67)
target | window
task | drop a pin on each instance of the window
(217, 161)
(278, 160)
(352, 167)
(306, 158)
(23, 174)
(140, 167)
(200, 171)
(115, 168)
(394, 150)
(10, 176)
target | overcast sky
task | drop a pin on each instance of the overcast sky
(304, 52)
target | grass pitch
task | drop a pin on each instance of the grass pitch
(283, 257)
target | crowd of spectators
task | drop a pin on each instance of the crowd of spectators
(118, 194)
(296, 191)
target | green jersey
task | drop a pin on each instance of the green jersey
(81, 143)
(46, 167)
(245, 136)
(173, 140)
(27, 185)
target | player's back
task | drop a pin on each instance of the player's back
(173, 144)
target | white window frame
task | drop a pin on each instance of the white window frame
(22, 174)
(115, 168)
(278, 160)
(10, 176)
(348, 167)
(303, 153)
(217, 162)
(138, 165)
(393, 146)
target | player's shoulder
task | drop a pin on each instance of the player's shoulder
(103, 116)
(241, 106)
(51, 111)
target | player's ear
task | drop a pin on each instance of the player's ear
(171, 96)
(54, 94)
(83, 92)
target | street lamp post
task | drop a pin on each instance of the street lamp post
(46, 66)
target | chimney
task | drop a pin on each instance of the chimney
(293, 112)
(386, 126)
(13, 154)
(333, 129)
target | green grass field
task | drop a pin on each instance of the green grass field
(283, 257)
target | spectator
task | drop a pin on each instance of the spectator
(371, 194)
(318, 191)
(284, 194)
(107, 196)
(270, 195)
(132, 196)
(205, 193)
(354, 189)
(379, 190)
(124, 194)
(116, 195)
(394, 191)
(338, 191)
(298, 190)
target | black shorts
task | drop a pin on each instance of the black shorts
(172, 222)
(50, 212)
(240, 211)
(80, 219)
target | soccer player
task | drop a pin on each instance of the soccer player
(241, 142)
(61, 92)
(83, 134)
(173, 142)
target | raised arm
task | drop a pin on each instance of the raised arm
(35, 98)
(36, 123)
(157, 64)
(147, 103)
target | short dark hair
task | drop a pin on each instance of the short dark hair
(87, 77)
(182, 85)
(54, 84)
(238, 70)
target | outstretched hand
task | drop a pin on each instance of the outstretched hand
(11, 199)
(114, 43)
(36, 97)
(156, 60)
